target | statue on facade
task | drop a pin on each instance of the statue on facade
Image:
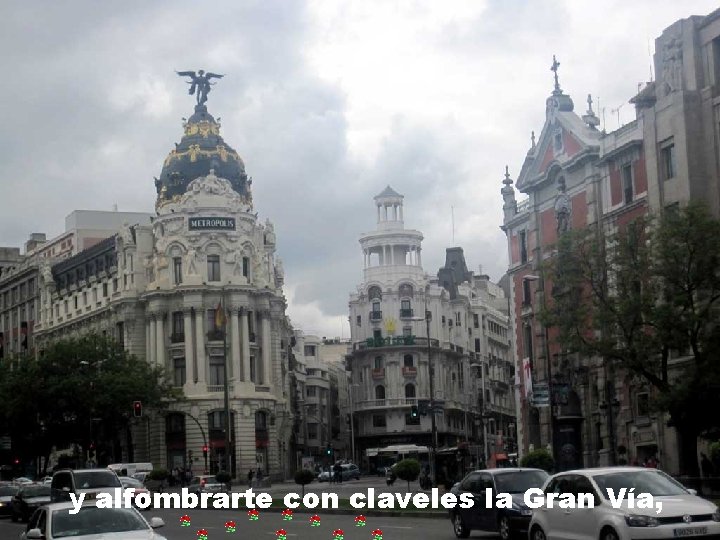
(279, 272)
(127, 235)
(269, 233)
(200, 84)
(562, 209)
(672, 65)
(259, 274)
(190, 267)
(46, 273)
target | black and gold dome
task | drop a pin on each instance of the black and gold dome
(200, 150)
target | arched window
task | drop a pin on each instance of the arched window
(375, 293)
(405, 290)
(408, 360)
(380, 392)
(409, 390)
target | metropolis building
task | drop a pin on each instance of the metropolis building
(156, 288)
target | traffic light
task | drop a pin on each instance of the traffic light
(414, 412)
(329, 450)
(205, 451)
(137, 409)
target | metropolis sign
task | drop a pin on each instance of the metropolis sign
(211, 224)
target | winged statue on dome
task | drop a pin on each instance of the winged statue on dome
(200, 84)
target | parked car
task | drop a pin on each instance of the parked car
(138, 486)
(6, 496)
(88, 481)
(683, 514)
(140, 477)
(206, 484)
(22, 480)
(507, 522)
(28, 499)
(55, 521)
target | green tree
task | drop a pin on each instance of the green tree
(79, 391)
(640, 296)
(408, 470)
(538, 459)
(304, 477)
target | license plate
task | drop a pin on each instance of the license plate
(689, 531)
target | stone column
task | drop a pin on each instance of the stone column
(152, 349)
(160, 341)
(200, 346)
(148, 325)
(266, 352)
(401, 213)
(245, 337)
(235, 345)
(189, 364)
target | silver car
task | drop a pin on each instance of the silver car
(206, 484)
(55, 521)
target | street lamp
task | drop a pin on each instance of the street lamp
(548, 362)
(431, 371)
(352, 419)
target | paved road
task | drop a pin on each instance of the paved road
(393, 528)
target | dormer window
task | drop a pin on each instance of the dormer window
(557, 141)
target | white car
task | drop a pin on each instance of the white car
(683, 514)
(55, 521)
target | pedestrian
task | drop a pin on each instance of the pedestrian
(338, 473)
(706, 466)
(250, 475)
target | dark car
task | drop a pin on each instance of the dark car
(28, 499)
(507, 522)
(6, 496)
(91, 482)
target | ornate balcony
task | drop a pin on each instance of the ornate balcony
(406, 313)
(376, 315)
(409, 371)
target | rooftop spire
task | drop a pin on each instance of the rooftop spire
(508, 181)
(554, 69)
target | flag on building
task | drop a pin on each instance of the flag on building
(527, 378)
(219, 317)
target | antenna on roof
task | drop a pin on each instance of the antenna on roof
(452, 213)
(618, 113)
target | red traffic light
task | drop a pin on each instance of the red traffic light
(137, 408)
(205, 449)
(17, 461)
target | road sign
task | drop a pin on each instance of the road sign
(541, 395)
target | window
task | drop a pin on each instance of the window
(115, 285)
(120, 334)
(527, 297)
(105, 290)
(253, 369)
(408, 360)
(380, 392)
(477, 345)
(528, 342)
(177, 270)
(409, 390)
(476, 320)
(358, 320)
(213, 263)
(179, 371)
(627, 183)
(378, 420)
(311, 391)
(376, 307)
(309, 350)
(76, 302)
(374, 293)
(178, 323)
(643, 404)
(522, 235)
(379, 364)
(457, 318)
(405, 309)
(246, 266)
(216, 377)
(667, 157)
(85, 298)
(312, 430)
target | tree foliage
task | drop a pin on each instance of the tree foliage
(304, 477)
(642, 298)
(408, 470)
(80, 390)
(538, 459)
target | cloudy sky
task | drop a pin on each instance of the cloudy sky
(327, 101)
